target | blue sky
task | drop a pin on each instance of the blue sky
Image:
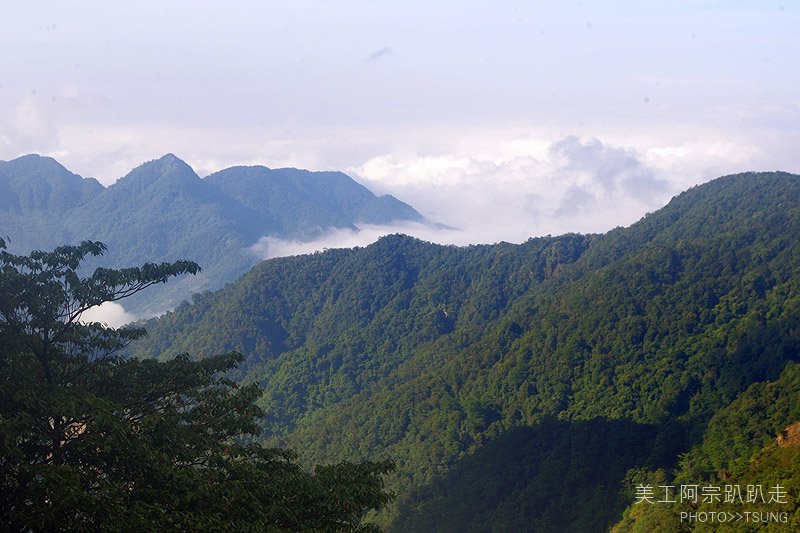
(505, 119)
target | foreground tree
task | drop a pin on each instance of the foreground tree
(91, 441)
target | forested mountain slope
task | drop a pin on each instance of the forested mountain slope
(430, 354)
(163, 211)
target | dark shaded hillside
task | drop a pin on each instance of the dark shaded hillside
(426, 353)
(163, 211)
(556, 475)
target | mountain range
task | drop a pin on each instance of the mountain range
(532, 387)
(163, 211)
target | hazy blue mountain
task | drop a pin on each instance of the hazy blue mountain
(35, 183)
(432, 354)
(163, 211)
(326, 199)
(35, 194)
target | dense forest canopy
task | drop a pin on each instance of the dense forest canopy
(436, 354)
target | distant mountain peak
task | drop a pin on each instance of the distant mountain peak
(169, 163)
(40, 162)
(39, 183)
(31, 157)
(167, 169)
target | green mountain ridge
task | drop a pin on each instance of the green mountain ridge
(163, 211)
(431, 354)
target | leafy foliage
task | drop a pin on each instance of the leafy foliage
(92, 441)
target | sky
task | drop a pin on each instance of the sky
(501, 119)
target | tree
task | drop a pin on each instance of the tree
(92, 441)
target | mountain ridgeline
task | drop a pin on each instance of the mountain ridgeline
(508, 380)
(163, 211)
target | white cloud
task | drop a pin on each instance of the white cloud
(111, 314)
(40, 122)
(30, 122)
(27, 127)
(573, 184)
(694, 162)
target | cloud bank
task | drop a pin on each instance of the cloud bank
(524, 188)
(572, 184)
